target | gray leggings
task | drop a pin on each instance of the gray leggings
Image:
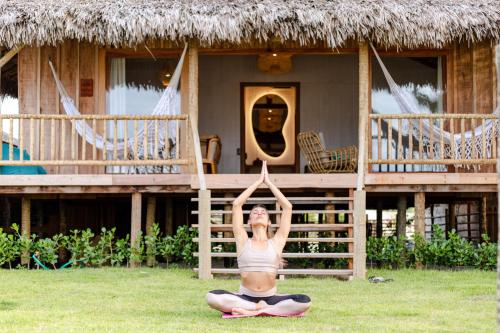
(278, 305)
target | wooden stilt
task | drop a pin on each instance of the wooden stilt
(135, 225)
(380, 213)
(62, 226)
(359, 269)
(205, 260)
(169, 216)
(453, 216)
(420, 214)
(350, 231)
(484, 215)
(25, 225)
(150, 220)
(401, 217)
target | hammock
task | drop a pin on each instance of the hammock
(454, 148)
(169, 104)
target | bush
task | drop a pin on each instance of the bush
(100, 250)
(439, 251)
(9, 248)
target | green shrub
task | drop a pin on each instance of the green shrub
(438, 251)
(121, 253)
(24, 242)
(486, 255)
(48, 249)
(152, 242)
(9, 248)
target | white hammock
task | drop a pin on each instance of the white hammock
(169, 104)
(473, 138)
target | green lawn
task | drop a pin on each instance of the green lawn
(160, 300)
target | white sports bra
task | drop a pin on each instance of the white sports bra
(252, 260)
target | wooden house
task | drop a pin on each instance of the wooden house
(255, 75)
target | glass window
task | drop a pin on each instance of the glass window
(422, 78)
(135, 85)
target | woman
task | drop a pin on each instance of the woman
(258, 261)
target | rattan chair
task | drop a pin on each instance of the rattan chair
(210, 150)
(322, 160)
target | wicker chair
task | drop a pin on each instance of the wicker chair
(210, 150)
(321, 160)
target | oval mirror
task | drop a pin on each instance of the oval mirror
(268, 117)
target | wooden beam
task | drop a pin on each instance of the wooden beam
(205, 259)
(420, 214)
(25, 225)
(401, 217)
(192, 104)
(150, 220)
(9, 55)
(364, 110)
(359, 269)
(135, 223)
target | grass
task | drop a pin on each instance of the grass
(159, 300)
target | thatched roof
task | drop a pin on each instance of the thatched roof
(409, 23)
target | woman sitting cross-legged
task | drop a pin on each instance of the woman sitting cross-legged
(258, 261)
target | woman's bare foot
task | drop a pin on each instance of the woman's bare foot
(261, 305)
(239, 311)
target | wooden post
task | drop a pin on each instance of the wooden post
(330, 218)
(135, 223)
(192, 100)
(25, 225)
(350, 231)
(359, 270)
(204, 259)
(364, 110)
(169, 217)
(150, 220)
(359, 215)
(62, 226)
(228, 218)
(484, 215)
(420, 214)
(380, 216)
(453, 216)
(401, 217)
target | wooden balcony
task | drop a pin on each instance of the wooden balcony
(55, 141)
(401, 139)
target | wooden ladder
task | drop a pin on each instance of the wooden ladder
(220, 230)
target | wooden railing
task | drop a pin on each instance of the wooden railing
(53, 140)
(401, 139)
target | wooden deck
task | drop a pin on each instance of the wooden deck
(186, 183)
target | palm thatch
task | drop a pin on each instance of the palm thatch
(393, 23)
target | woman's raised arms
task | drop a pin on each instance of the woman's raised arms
(239, 231)
(281, 234)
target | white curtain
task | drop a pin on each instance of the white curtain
(116, 103)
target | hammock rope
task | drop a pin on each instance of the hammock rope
(453, 146)
(169, 104)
